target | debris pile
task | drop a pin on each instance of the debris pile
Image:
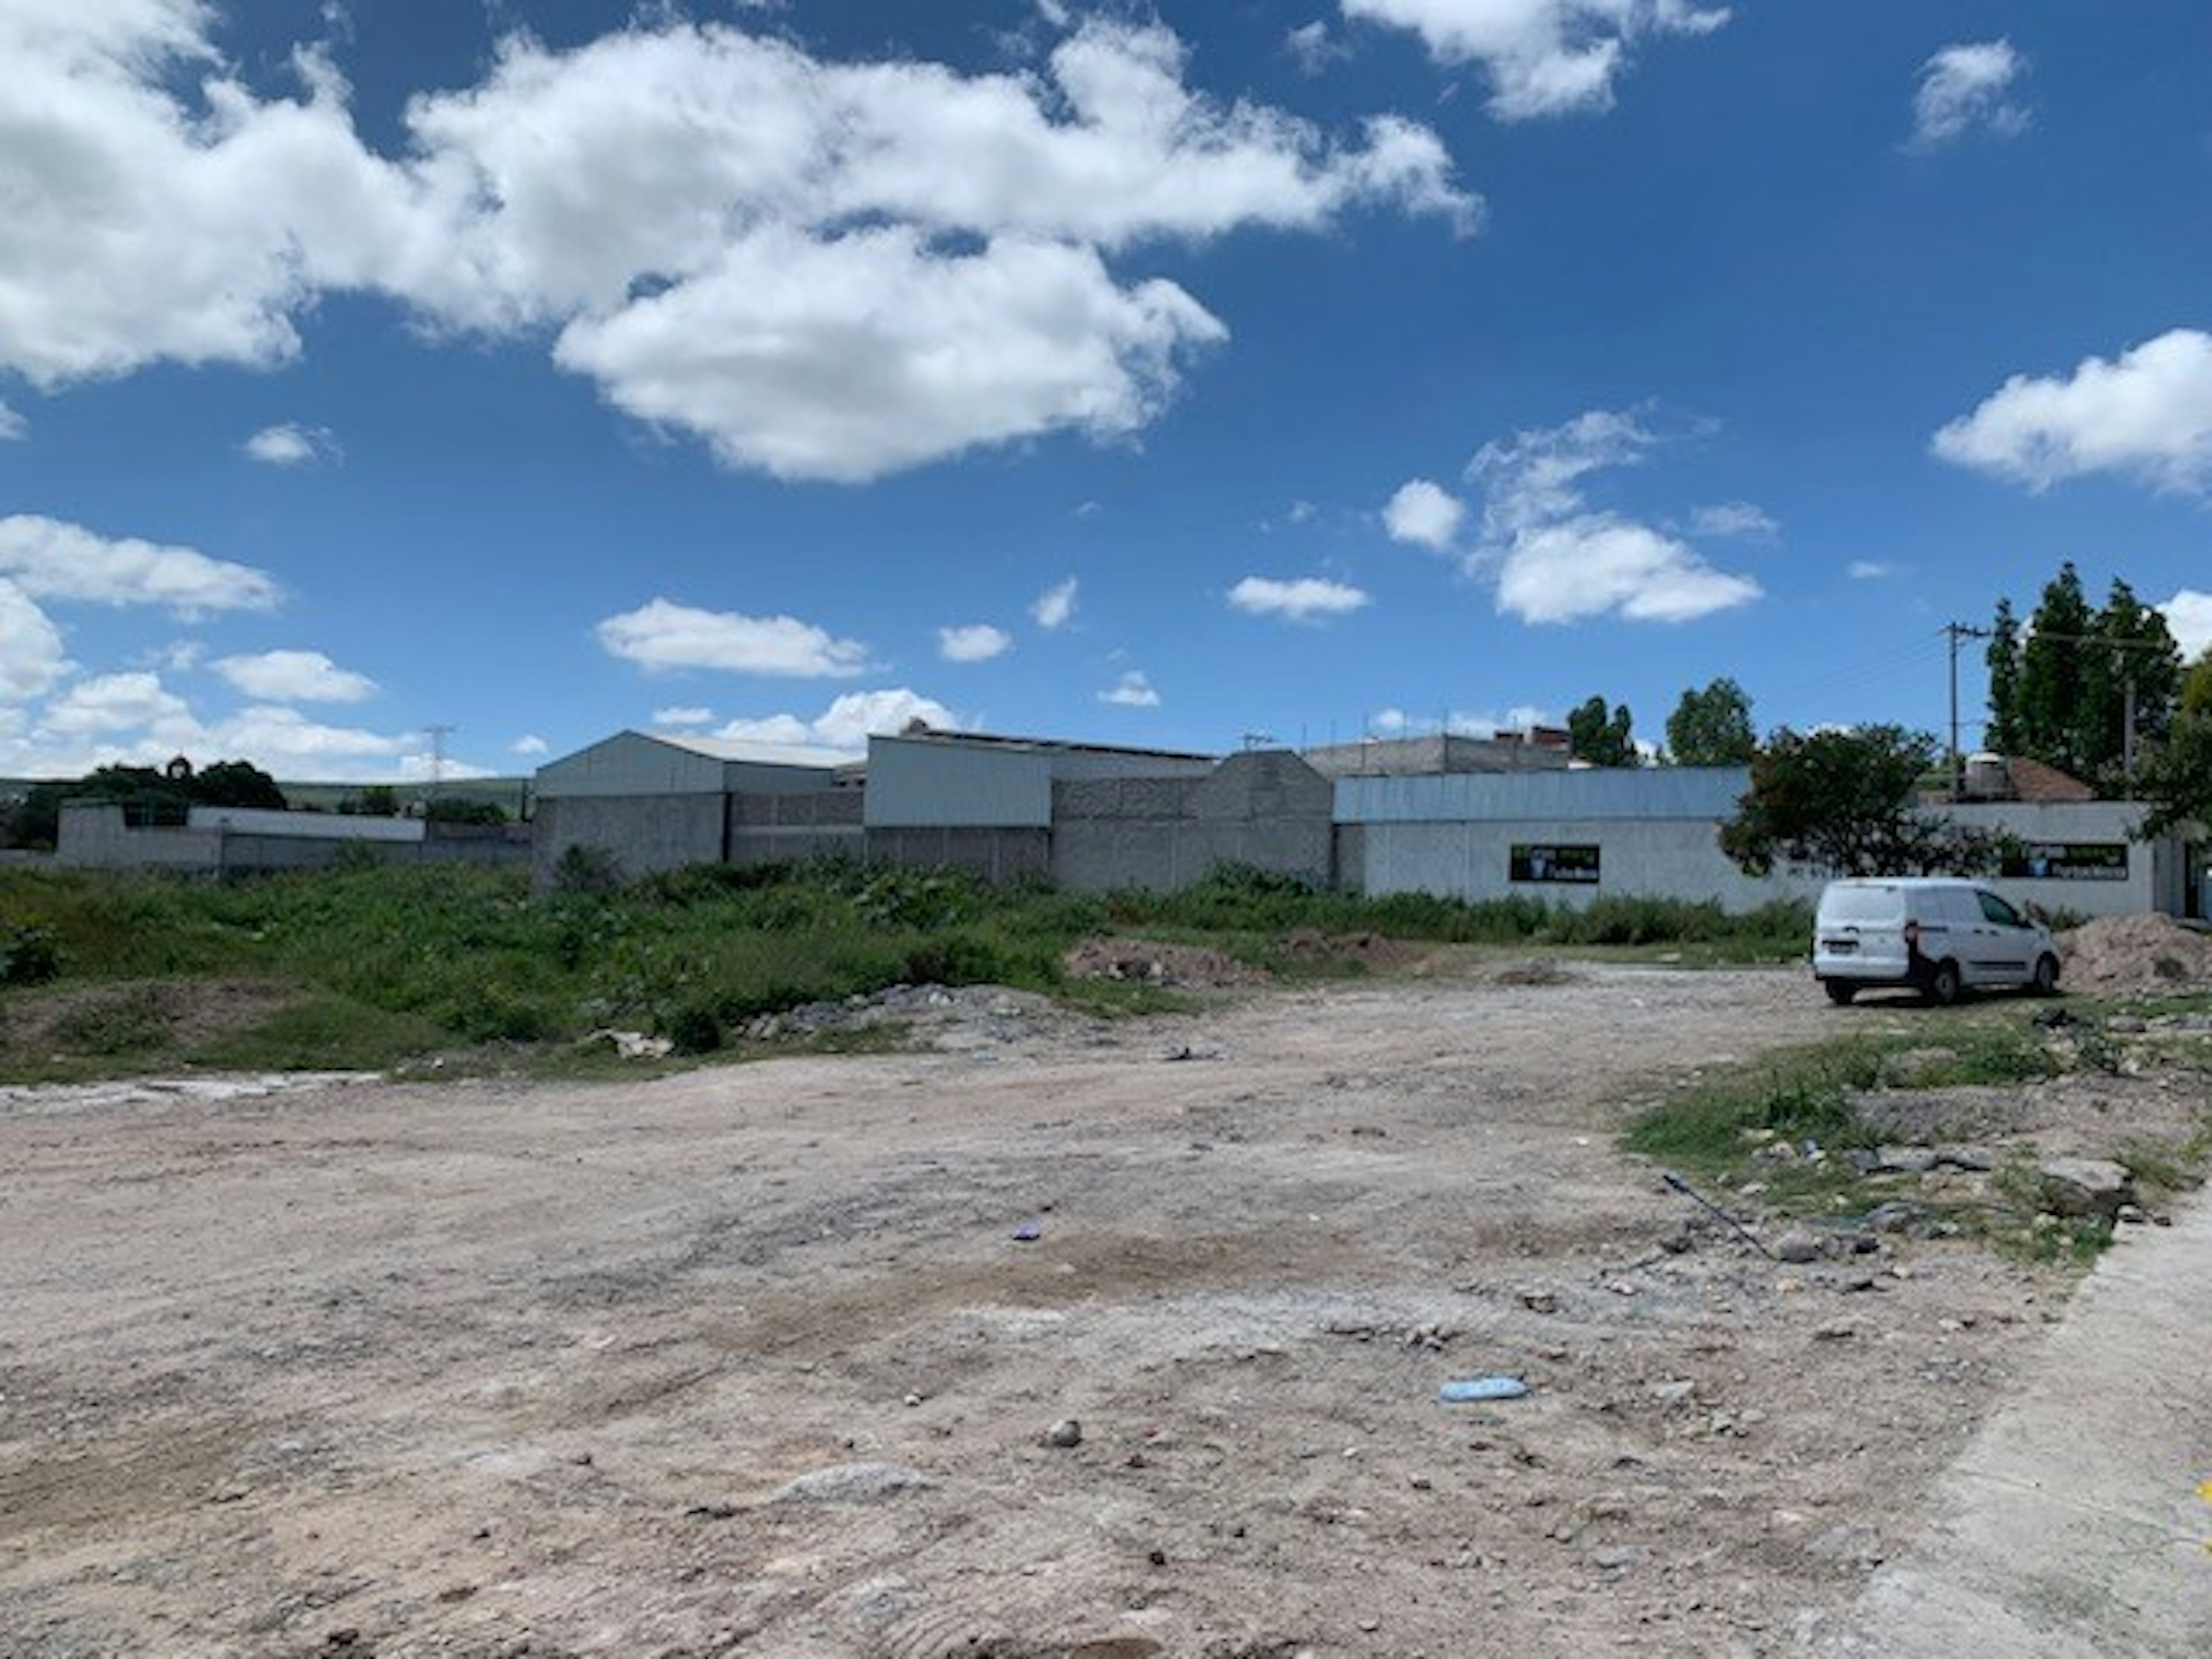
(1156, 962)
(2147, 952)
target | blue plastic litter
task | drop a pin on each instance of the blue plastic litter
(1482, 1387)
(1028, 1233)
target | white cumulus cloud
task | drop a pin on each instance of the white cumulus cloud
(2146, 416)
(12, 424)
(1132, 690)
(530, 746)
(849, 721)
(1543, 57)
(295, 677)
(54, 560)
(1964, 87)
(2189, 619)
(973, 642)
(660, 636)
(821, 269)
(290, 444)
(1055, 607)
(682, 716)
(1307, 598)
(1556, 559)
(1424, 513)
(32, 656)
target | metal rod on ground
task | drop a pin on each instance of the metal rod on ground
(1743, 1232)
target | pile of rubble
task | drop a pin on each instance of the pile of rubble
(2148, 953)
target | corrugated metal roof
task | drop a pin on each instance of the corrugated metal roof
(1657, 792)
(755, 753)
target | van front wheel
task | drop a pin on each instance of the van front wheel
(2046, 976)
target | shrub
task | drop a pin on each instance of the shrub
(29, 955)
(585, 869)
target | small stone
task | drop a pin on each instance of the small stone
(2132, 1215)
(1620, 1557)
(1543, 1302)
(1065, 1434)
(1157, 1558)
(1837, 1331)
(914, 1399)
(1798, 1247)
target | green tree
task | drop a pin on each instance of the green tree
(1602, 735)
(234, 783)
(1845, 803)
(1712, 727)
(2068, 693)
(2002, 733)
(2197, 688)
(2175, 776)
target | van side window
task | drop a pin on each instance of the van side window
(1999, 912)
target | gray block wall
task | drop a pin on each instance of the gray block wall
(641, 833)
(792, 829)
(996, 855)
(1268, 809)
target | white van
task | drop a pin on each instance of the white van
(1939, 934)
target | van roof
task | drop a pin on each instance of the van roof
(1906, 881)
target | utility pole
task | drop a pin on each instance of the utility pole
(438, 734)
(1956, 632)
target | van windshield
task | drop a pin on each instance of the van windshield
(1863, 904)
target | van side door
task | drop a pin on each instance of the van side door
(2006, 940)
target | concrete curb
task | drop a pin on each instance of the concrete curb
(2072, 1526)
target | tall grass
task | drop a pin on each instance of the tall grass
(462, 956)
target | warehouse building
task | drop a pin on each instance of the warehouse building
(1509, 820)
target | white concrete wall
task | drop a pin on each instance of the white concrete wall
(1674, 858)
(1681, 858)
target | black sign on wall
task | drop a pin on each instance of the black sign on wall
(2071, 860)
(1575, 864)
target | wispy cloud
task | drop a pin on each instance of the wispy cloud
(1558, 559)
(1966, 87)
(1056, 606)
(973, 642)
(1308, 599)
(292, 444)
(1132, 690)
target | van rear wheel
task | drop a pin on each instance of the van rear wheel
(1943, 984)
(1840, 991)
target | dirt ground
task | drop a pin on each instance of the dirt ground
(769, 1359)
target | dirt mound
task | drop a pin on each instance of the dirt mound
(1155, 962)
(1366, 950)
(2147, 952)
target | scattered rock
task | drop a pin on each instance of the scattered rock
(2085, 1186)
(1796, 1247)
(1543, 1302)
(851, 1483)
(1918, 1068)
(1065, 1434)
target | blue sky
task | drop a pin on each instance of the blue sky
(1159, 376)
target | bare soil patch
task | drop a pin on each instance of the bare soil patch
(768, 1359)
(87, 1021)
